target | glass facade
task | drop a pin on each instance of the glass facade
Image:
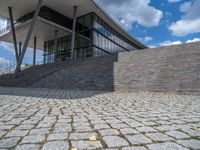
(94, 38)
(106, 39)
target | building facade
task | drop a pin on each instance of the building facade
(63, 30)
(94, 37)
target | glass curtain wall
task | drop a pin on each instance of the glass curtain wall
(106, 39)
(64, 47)
(93, 38)
(83, 42)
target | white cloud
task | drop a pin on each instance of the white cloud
(184, 27)
(167, 43)
(7, 46)
(193, 40)
(185, 7)
(4, 62)
(173, 1)
(146, 39)
(131, 11)
(190, 21)
(152, 46)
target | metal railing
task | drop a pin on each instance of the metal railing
(17, 23)
(7, 70)
(8, 28)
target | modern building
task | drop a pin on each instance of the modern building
(63, 29)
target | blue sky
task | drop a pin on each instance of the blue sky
(157, 22)
(153, 22)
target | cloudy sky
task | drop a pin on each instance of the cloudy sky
(154, 22)
(157, 22)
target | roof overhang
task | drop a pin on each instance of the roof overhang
(65, 7)
(44, 31)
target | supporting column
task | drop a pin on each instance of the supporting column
(34, 50)
(55, 45)
(20, 48)
(73, 33)
(37, 10)
(13, 33)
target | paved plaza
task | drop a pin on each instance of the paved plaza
(45, 119)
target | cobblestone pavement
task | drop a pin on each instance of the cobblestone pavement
(32, 119)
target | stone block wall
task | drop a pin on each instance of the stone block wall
(172, 68)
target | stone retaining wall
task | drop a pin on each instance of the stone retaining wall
(172, 68)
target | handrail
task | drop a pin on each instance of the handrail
(18, 22)
(8, 28)
(7, 70)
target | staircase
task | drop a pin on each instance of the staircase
(172, 68)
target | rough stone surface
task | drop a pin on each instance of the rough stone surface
(57, 136)
(9, 142)
(33, 139)
(177, 134)
(86, 144)
(160, 137)
(193, 144)
(128, 131)
(115, 141)
(134, 148)
(173, 68)
(65, 119)
(167, 145)
(138, 139)
(28, 147)
(109, 132)
(56, 145)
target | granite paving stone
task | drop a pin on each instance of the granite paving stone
(86, 144)
(134, 148)
(166, 146)
(159, 137)
(17, 133)
(82, 136)
(9, 142)
(115, 141)
(28, 147)
(193, 144)
(177, 134)
(33, 139)
(105, 132)
(63, 119)
(128, 131)
(57, 136)
(56, 145)
(138, 139)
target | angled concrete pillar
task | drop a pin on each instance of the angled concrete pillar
(73, 33)
(34, 51)
(20, 48)
(37, 10)
(55, 45)
(13, 33)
